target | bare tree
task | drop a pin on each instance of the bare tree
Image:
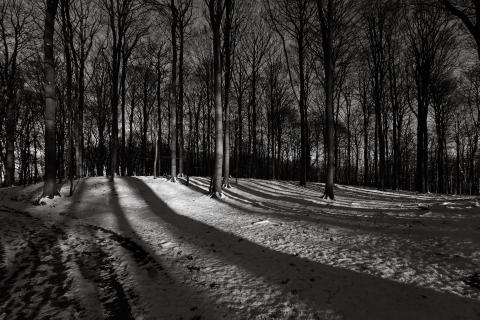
(50, 186)
(216, 10)
(228, 44)
(15, 21)
(467, 11)
(326, 13)
(121, 16)
(295, 18)
(431, 39)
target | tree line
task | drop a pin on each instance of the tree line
(380, 93)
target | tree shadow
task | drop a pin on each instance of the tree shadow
(369, 220)
(147, 260)
(36, 281)
(304, 198)
(355, 295)
(375, 223)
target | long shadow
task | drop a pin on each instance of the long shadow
(355, 295)
(21, 297)
(145, 257)
(77, 196)
(287, 190)
(307, 195)
(376, 222)
(374, 215)
(355, 222)
(301, 200)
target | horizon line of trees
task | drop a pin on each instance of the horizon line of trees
(382, 93)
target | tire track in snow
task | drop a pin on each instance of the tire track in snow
(96, 266)
(3, 259)
(38, 282)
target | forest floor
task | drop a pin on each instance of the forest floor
(144, 248)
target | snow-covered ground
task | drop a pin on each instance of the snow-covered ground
(150, 249)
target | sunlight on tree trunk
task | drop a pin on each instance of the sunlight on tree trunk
(50, 186)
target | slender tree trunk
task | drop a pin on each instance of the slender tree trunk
(35, 167)
(157, 164)
(10, 137)
(253, 125)
(349, 146)
(71, 152)
(440, 166)
(130, 157)
(123, 81)
(181, 138)
(457, 163)
(365, 144)
(240, 132)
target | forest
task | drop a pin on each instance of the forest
(239, 159)
(372, 93)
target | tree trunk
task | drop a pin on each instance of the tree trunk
(79, 121)
(50, 187)
(216, 13)
(123, 162)
(326, 20)
(304, 156)
(228, 76)
(181, 138)
(173, 95)
(157, 164)
(10, 137)
(240, 132)
(144, 126)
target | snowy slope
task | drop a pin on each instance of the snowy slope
(150, 249)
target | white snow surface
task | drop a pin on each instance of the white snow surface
(144, 248)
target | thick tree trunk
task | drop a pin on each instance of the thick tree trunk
(79, 122)
(228, 76)
(326, 19)
(50, 187)
(422, 146)
(330, 129)
(305, 154)
(173, 95)
(114, 137)
(216, 14)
